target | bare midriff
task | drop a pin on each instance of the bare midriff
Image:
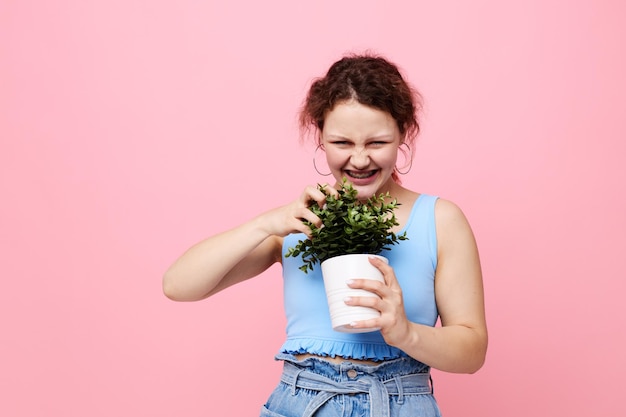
(336, 359)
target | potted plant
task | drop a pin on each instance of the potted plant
(351, 232)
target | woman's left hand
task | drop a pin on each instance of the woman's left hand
(393, 322)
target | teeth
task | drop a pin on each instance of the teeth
(362, 174)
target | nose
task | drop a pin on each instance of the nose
(360, 158)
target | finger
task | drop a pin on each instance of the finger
(313, 194)
(386, 269)
(304, 214)
(381, 265)
(370, 285)
(331, 190)
(366, 324)
(364, 301)
(301, 227)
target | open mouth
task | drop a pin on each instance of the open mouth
(361, 174)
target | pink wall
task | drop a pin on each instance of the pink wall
(131, 129)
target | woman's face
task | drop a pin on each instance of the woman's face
(361, 144)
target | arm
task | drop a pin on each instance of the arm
(460, 344)
(221, 261)
(238, 254)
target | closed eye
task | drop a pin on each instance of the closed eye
(378, 143)
(341, 143)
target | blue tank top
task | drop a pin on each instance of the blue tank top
(414, 261)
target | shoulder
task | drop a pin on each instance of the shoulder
(447, 211)
(451, 224)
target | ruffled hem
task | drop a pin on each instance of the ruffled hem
(332, 348)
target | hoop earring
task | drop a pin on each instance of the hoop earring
(410, 152)
(315, 164)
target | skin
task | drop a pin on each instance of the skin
(361, 144)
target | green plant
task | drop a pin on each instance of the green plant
(348, 226)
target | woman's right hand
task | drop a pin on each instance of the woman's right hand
(290, 218)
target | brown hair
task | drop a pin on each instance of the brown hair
(370, 80)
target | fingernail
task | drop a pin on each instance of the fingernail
(350, 282)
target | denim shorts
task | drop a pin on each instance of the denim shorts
(315, 387)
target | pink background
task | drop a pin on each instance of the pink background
(131, 129)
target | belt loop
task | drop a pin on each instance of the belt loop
(432, 386)
(295, 381)
(400, 389)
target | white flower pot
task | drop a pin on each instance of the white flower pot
(336, 271)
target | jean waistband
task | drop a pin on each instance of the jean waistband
(379, 391)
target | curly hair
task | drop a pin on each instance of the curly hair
(370, 80)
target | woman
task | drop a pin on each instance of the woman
(363, 113)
